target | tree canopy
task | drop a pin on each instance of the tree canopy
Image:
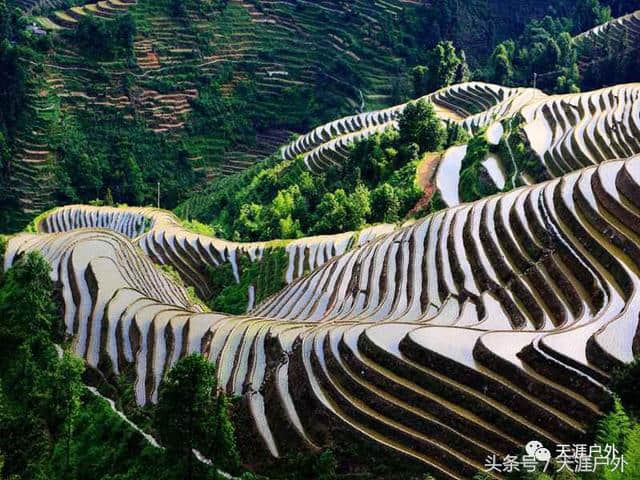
(284, 200)
(445, 66)
(103, 39)
(192, 415)
(45, 385)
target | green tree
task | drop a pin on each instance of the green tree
(191, 416)
(321, 466)
(108, 198)
(615, 427)
(463, 72)
(444, 66)
(325, 466)
(24, 443)
(287, 203)
(342, 212)
(501, 63)
(419, 75)
(83, 173)
(27, 308)
(125, 31)
(419, 124)
(105, 39)
(224, 440)
(385, 204)
(588, 14)
(127, 180)
(44, 388)
(545, 48)
(5, 22)
(94, 37)
(283, 199)
(250, 221)
(632, 456)
(13, 84)
(625, 384)
(66, 388)
(49, 389)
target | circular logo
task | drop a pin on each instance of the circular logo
(536, 450)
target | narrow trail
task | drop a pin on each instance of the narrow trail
(150, 439)
(513, 160)
(363, 103)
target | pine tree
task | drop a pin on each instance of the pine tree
(27, 309)
(190, 415)
(224, 441)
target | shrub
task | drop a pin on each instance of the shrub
(625, 384)
(104, 39)
(266, 275)
(205, 425)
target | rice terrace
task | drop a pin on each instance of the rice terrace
(318, 239)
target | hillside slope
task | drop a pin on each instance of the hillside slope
(210, 91)
(161, 236)
(518, 136)
(213, 91)
(537, 289)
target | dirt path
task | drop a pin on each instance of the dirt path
(425, 174)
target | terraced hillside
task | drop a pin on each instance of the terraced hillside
(35, 5)
(252, 27)
(464, 334)
(472, 104)
(610, 42)
(495, 311)
(221, 90)
(68, 18)
(31, 172)
(559, 134)
(615, 36)
(161, 237)
(213, 91)
(263, 55)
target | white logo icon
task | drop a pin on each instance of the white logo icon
(536, 450)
